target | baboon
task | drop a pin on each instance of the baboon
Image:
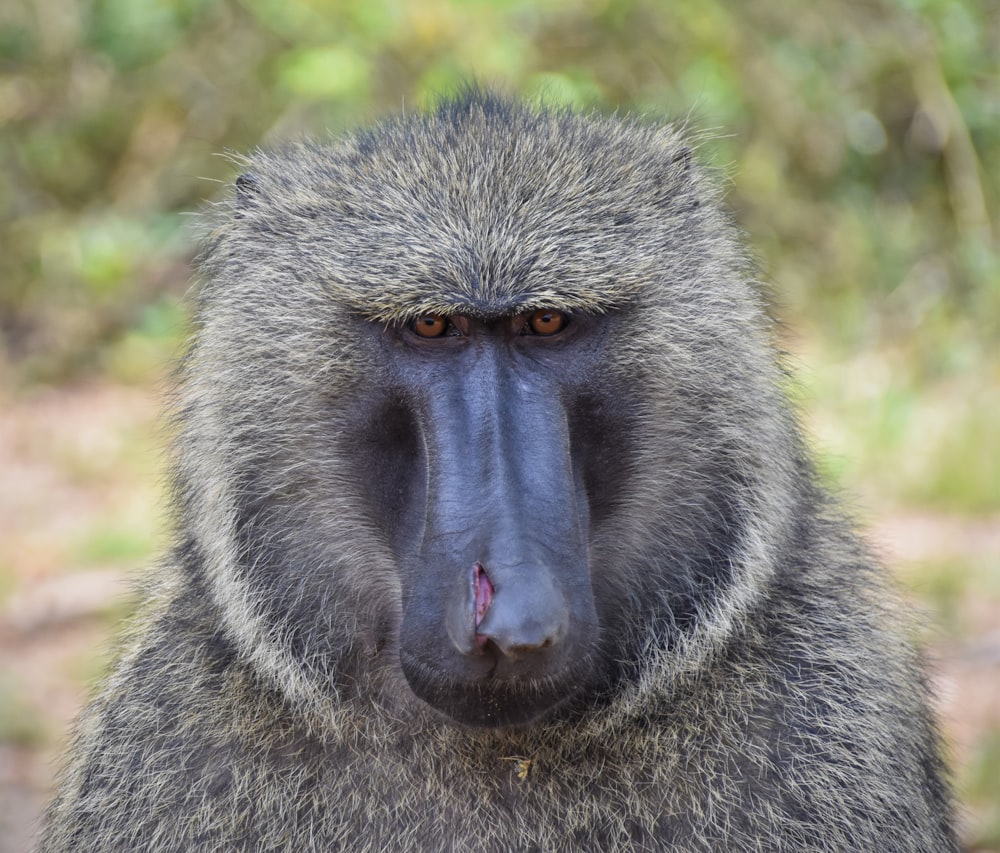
(495, 529)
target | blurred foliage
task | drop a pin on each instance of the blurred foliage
(946, 586)
(982, 783)
(861, 139)
(19, 722)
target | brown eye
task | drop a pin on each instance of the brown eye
(547, 322)
(430, 325)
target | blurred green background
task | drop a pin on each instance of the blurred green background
(859, 142)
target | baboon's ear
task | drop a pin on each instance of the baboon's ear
(248, 191)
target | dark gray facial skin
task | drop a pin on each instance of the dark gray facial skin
(499, 623)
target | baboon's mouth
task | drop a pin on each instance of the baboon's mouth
(490, 702)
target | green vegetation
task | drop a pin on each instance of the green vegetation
(19, 722)
(983, 784)
(861, 141)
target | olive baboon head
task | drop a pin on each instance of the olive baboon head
(507, 425)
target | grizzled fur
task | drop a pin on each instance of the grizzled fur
(754, 691)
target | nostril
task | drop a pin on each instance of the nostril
(484, 592)
(527, 615)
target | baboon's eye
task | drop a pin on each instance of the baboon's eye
(547, 321)
(430, 325)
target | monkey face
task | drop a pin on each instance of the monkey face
(484, 433)
(490, 512)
